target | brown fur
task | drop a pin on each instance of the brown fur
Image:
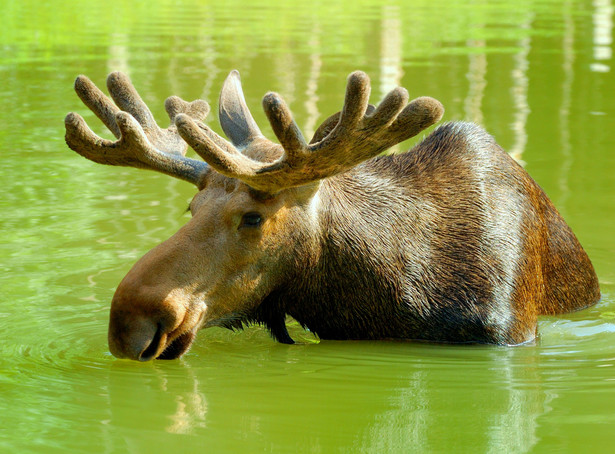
(459, 245)
(450, 242)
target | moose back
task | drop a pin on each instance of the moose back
(451, 241)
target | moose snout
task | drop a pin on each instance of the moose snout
(143, 324)
(137, 339)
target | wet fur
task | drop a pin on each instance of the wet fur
(452, 241)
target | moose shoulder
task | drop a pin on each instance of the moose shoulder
(451, 241)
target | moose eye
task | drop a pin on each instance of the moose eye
(251, 220)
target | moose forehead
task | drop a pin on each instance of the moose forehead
(225, 200)
(259, 150)
(217, 188)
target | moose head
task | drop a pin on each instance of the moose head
(452, 241)
(257, 210)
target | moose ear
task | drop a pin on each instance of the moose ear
(235, 117)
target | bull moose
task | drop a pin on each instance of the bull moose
(451, 241)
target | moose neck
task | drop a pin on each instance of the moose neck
(353, 277)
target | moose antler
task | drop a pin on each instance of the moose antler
(361, 132)
(141, 143)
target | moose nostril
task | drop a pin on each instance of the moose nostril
(152, 349)
(130, 337)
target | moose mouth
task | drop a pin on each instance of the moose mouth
(178, 346)
(173, 350)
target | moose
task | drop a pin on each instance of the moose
(451, 241)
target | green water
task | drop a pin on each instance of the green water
(538, 74)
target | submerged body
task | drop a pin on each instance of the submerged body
(457, 244)
(451, 241)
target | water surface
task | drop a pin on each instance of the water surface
(537, 74)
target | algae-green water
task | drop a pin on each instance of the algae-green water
(537, 74)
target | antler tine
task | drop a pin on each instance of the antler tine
(234, 114)
(218, 153)
(356, 101)
(197, 109)
(421, 113)
(346, 139)
(288, 133)
(98, 103)
(128, 99)
(284, 127)
(133, 149)
(141, 143)
(388, 109)
(362, 133)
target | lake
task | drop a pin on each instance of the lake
(537, 74)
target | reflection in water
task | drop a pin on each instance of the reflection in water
(519, 91)
(407, 425)
(311, 92)
(191, 409)
(423, 418)
(153, 399)
(207, 59)
(517, 425)
(390, 50)
(564, 110)
(119, 55)
(391, 398)
(603, 34)
(476, 75)
(286, 74)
